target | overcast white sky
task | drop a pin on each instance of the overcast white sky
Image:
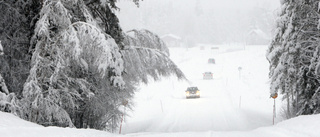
(231, 18)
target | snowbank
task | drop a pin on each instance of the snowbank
(12, 126)
(302, 126)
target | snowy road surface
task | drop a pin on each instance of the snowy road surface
(219, 108)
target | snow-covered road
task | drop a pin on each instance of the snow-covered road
(162, 107)
(162, 111)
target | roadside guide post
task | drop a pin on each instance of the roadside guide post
(124, 103)
(239, 68)
(274, 96)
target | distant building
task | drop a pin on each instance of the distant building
(257, 37)
(171, 40)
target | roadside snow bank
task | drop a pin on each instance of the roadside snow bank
(13, 126)
(302, 126)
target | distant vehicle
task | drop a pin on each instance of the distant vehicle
(207, 75)
(192, 92)
(211, 61)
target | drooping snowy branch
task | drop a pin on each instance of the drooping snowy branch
(89, 45)
(146, 39)
(147, 55)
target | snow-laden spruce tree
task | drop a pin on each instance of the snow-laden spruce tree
(308, 97)
(82, 67)
(293, 57)
(280, 57)
(72, 58)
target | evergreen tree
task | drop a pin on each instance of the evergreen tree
(71, 56)
(308, 97)
(293, 56)
(83, 66)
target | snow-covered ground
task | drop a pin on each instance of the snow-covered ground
(235, 103)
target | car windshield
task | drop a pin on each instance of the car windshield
(192, 88)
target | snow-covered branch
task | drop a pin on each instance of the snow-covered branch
(147, 55)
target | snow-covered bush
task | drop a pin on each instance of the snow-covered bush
(8, 102)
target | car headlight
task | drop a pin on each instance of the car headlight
(198, 93)
(187, 93)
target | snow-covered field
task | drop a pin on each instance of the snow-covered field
(235, 103)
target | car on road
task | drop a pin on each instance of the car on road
(192, 92)
(207, 75)
(211, 61)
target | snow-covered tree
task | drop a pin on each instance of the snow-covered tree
(76, 65)
(278, 53)
(293, 56)
(308, 97)
(71, 56)
(82, 65)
